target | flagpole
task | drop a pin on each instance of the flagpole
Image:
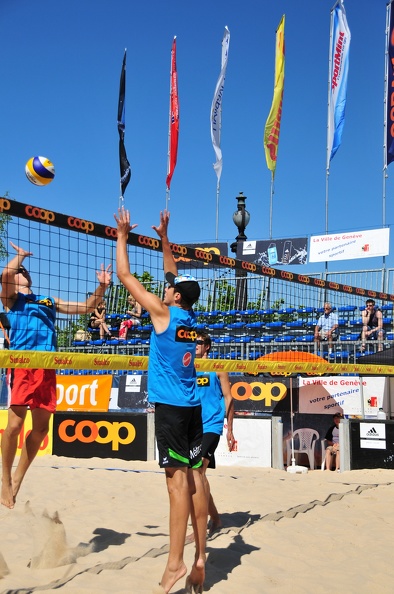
(271, 202)
(385, 147)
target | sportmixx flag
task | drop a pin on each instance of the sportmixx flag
(216, 108)
(125, 169)
(272, 126)
(174, 117)
(390, 89)
(339, 67)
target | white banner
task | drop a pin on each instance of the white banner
(350, 245)
(216, 109)
(331, 394)
(253, 444)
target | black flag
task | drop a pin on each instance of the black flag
(125, 169)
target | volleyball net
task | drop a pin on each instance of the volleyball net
(261, 319)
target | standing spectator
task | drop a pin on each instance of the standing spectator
(372, 324)
(326, 327)
(217, 402)
(172, 387)
(332, 437)
(32, 321)
(134, 310)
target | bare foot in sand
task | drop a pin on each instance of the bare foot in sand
(195, 580)
(7, 494)
(170, 577)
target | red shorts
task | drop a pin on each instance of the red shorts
(35, 388)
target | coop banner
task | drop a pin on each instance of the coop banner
(83, 392)
(277, 252)
(349, 246)
(203, 253)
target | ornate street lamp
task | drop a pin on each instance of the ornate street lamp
(241, 218)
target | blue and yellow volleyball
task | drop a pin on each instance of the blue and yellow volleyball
(40, 171)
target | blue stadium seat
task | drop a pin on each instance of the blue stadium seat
(350, 337)
(242, 339)
(285, 338)
(387, 320)
(306, 310)
(287, 310)
(264, 338)
(258, 324)
(306, 338)
(295, 324)
(390, 335)
(216, 326)
(345, 308)
(266, 312)
(276, 324)
(236, 325)
(387, 307)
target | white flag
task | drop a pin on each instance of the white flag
(216, 109)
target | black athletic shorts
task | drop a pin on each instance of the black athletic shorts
(210, 442)
(178, 432)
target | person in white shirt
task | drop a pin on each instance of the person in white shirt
(327, 325)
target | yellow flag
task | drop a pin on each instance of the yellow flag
(272, 126)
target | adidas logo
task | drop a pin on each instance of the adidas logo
(372, 432)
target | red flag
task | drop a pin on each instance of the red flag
(174, 117)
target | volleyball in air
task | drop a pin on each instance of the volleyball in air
(40, 171)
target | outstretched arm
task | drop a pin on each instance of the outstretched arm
(158, 312)
(229, 403)
(8, 285)
(169, 264)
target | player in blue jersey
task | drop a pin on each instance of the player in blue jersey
(217, 402)
(32, 320)
(172, 387)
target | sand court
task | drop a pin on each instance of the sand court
(101, 525)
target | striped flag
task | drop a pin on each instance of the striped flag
(125, 169)
(272, 126)
(338, 75)
(174, 117)
(390, 88)
(216, 108)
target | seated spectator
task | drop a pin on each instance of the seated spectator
(134, 310)
(327, 326)
(332, 450)
(372, 324)
(97, 320)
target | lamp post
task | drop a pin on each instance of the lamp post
(241, 218)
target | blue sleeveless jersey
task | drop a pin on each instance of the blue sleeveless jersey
(171, 372)
(212, 402)
(32, 321)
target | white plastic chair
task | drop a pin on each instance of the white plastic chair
(304, 443)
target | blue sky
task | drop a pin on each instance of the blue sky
(59, 69)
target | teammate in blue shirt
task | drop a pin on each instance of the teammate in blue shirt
(217, 402)
(32, 321)
(172, 387)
